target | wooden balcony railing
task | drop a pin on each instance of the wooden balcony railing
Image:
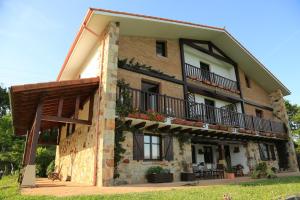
(179, 108)
(210, 78)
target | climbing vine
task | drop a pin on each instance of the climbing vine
(123, 108)
(136, 65)
(183, 139)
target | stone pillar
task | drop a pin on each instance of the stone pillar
(107, 104)
(279, 110)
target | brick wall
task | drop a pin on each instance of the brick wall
(143, 49)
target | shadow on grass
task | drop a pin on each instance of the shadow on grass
(274, 181)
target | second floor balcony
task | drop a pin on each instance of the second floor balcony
(210, 78)
(192, 112)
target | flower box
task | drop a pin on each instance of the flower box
(134, 115)
(223, 127)
(207, 82)
(188, 123)
(160, 178)
(177, 121)
(144, 116)
(185, 176)
(213, 126)
(199, 124)
(241, 130)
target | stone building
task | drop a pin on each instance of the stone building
(186, 95)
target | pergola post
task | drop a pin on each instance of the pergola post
(28, 179)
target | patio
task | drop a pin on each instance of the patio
(57, 188)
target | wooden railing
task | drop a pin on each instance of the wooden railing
(179, 108)
(209, 77)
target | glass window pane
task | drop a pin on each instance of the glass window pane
(155, 140)
(146, 139)
(146, 151)
(155, 151)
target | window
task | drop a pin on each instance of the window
(267, 152)
(259, 113)
(152, 147)
(247, 82)
(161, 48)
(70, 129)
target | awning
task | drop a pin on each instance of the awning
(24, 100)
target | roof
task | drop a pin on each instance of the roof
(96, 20)
(25, 99)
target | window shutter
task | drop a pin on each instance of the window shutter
(168, 148)
(138, 145)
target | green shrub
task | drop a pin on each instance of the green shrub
(263, 171)
(155, 170)
(44, 156)
(51, 167)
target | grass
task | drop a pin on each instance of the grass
(261, 189)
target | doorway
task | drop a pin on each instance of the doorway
(149, 96)
(210, 111)
(227, 156)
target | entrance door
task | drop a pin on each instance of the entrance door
(208, 154)
(210, 111)
(205, 71)
(227, 156)
(282, 155)
(149, 96)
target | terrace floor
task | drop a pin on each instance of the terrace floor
(59, 188)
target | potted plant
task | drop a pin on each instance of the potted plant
(157, 174)
(229, 173)
(186, 175)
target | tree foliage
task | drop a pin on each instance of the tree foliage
(11, 147)
(293, 111)
(4, 101)
(44, 156)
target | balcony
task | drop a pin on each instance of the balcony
(210, 78)
(192, 112)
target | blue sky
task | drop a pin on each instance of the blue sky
(35, 35)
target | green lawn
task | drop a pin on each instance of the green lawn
(261, 189)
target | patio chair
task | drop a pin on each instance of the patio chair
(55, 175)
(239, 170)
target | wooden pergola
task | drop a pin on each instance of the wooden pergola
(43, 106)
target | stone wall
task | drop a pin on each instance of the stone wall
(281, 113)
(254, 156)
(107, 105)
(75, 154)
(133, 171)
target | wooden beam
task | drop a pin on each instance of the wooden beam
(174, 130)
(152, 127)
(140, 125)
(77, 104)
(91, 108)
(128, 123)
(186, 130)
(35, 133)
(60, 107)
(165, 128)
(65, 120)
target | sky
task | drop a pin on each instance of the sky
(36, 35)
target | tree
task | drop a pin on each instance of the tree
(11, 146)
(4, 101)
(293, 111)
(44, 156)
